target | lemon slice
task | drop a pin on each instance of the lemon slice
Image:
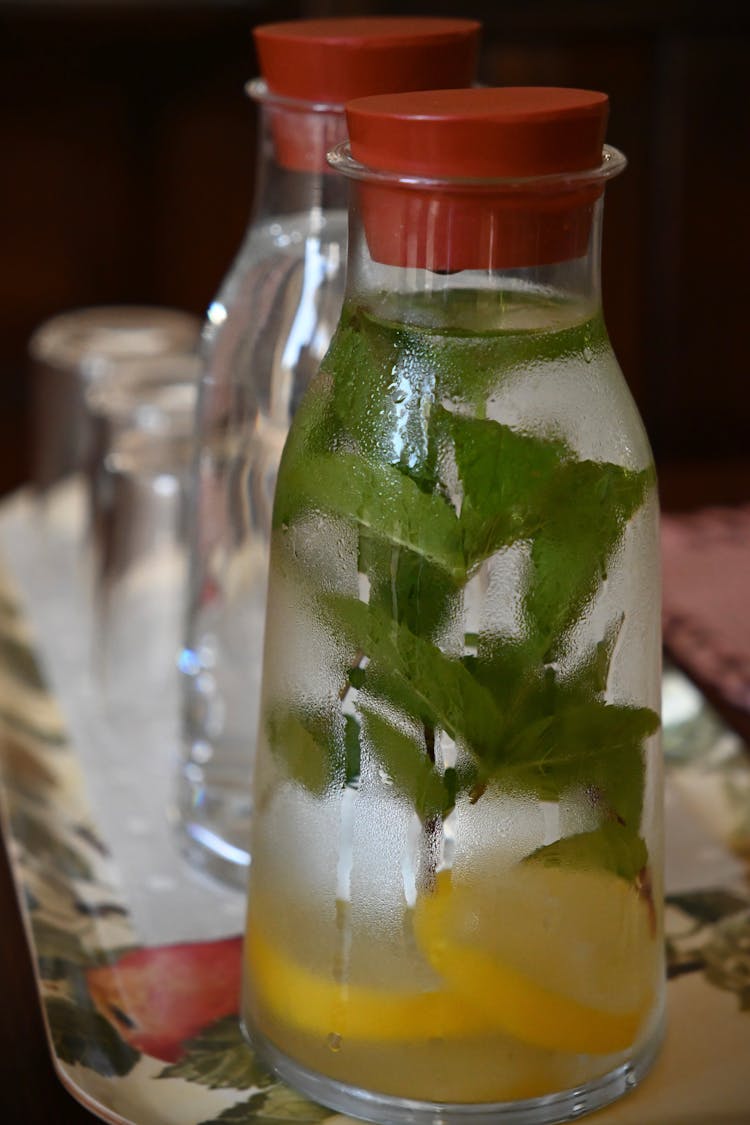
(323, 1007)
(558, 958)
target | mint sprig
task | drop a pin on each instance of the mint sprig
(370, 449)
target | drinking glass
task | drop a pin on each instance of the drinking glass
(138, 501)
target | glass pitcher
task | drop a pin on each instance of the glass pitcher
(264, 337)
(455, 894)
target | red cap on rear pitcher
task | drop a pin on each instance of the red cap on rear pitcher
(326, 62)
(334, 60)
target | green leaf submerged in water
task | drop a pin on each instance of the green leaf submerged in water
(431, 488)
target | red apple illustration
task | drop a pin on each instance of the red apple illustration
(159, 997)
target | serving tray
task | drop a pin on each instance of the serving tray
(138, 959)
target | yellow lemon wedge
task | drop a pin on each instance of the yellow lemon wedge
(321, 1006)
(559, 958)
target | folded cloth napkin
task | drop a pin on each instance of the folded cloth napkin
(706, 599)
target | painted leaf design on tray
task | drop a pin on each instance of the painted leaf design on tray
(707, 906)
(20, 660)
(8, 607)
(727, 957)
(100, 909)
(23, 769)
(56, 949)
(89, 836)
(704, 946)
(31, 730)
(277, 1106)
(81, 1035)
(220, 1058)
(46, 846)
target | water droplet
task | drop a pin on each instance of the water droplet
(334, 1041)
(630, 1079)
(588, 353)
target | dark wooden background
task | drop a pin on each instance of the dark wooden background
(127, 149)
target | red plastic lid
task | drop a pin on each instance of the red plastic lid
(485, 133)
(466, 141)
(333, 60)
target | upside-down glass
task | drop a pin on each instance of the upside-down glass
(67, 353)
(265, 335)
(144, 411)
(455, 894)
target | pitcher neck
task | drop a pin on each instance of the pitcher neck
(418, 240)
(292, 176)
(476, 293)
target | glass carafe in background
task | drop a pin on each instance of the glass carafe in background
(265, 335)
(455, 895)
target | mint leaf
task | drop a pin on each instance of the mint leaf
(442, 691)
(404, 759)
(561, 732)
(379, 499)
(364, 406)
(506, 478)
(544, 740)
(610, 846)
(519, 487)
(592, 674)
(407, 586)
(396, 446)
(307, 749)
(596, 744)
(586, 510)
(381, 411)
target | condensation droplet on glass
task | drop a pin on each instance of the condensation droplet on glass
(334, 1041)
(588, 353)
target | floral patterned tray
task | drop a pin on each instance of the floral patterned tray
(146, 1032)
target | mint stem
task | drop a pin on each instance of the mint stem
(432, 830)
